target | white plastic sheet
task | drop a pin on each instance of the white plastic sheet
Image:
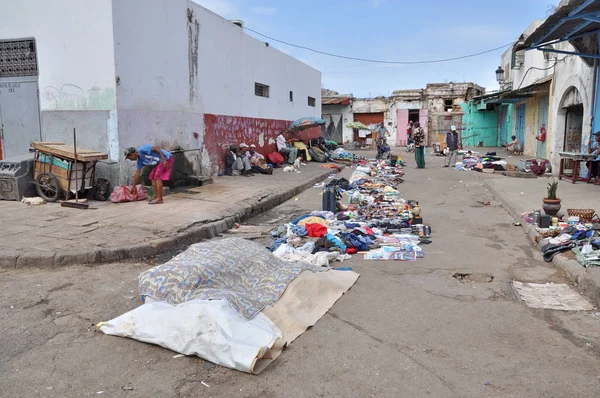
(211, 330)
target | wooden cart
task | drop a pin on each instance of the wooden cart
(57, 173)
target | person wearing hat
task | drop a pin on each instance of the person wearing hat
(453, 142)
(257, 161)
(237, 162)
(594, 164)
(159, 160)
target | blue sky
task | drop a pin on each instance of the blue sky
(393, 30)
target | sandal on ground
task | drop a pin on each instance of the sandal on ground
(155, 202)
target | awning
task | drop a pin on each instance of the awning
(523, 93)
(575, 22)
(336, 100)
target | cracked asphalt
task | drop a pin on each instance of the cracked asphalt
(404, 330)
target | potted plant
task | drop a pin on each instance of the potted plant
(551, 204)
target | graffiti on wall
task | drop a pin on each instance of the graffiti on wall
(73, 97)
(221, 131)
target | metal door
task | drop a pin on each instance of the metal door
(401, 123)
(543, 104)
(19, 115)
(503, 116)
(520, 127)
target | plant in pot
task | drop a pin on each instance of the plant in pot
(551, 204)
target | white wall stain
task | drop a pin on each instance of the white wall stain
(112, 135)
(261, 139)
(271, 141)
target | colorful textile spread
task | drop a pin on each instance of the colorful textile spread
(242, 272)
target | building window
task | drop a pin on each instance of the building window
(518, 59)
(18, 58)
(448, 105)
(291, 96)
(261, 90)
(312, 101)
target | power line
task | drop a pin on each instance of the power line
(375, 60)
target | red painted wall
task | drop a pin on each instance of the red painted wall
(221, 131)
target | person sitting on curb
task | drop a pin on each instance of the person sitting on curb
(258, 161)
(235, 164)
(284, 146)
(161, 162)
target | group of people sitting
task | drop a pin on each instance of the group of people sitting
(245, 160)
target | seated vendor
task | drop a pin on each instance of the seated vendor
(514, 146)
(594, 164)
(257, 161)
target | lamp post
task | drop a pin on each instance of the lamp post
(500, 76)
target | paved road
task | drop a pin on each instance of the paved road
(404, 330)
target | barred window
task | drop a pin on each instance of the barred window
(18, 58)
(261, 90)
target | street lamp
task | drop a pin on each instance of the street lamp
(500, 75)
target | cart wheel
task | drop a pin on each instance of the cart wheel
(47, 187)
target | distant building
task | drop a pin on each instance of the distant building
(436, 107)
(124, 73)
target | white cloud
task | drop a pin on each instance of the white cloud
(224, 8)
(264, 10)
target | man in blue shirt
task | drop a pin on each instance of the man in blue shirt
(594, 164)
(454, 144)
(159, 160)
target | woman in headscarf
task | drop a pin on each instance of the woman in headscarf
(419, 140)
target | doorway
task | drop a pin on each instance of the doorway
(19, 101)
(366, 118)
(573, 128)
(413, 115)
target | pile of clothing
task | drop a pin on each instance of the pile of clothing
(341, 154)
(478, 163)
(377, 222)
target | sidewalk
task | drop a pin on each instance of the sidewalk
(519, 195)
(51, 235)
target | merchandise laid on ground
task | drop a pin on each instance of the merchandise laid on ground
(238, 304)
(376, 223)
(491, 162)
(577, 231)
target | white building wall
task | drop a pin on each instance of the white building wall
(157, 93)
(572, 72)
(74, 40)
(230, 62)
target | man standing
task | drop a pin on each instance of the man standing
(453, 142)
(161, 162)
(284, 147)
(419, 140)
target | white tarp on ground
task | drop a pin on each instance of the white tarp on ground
(213, 331)
(231, 302)
(551, 296)
(209, 329)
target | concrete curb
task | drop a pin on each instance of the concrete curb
(249, 208)
(576, 272)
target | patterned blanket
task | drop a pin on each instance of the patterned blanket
(242, 272)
